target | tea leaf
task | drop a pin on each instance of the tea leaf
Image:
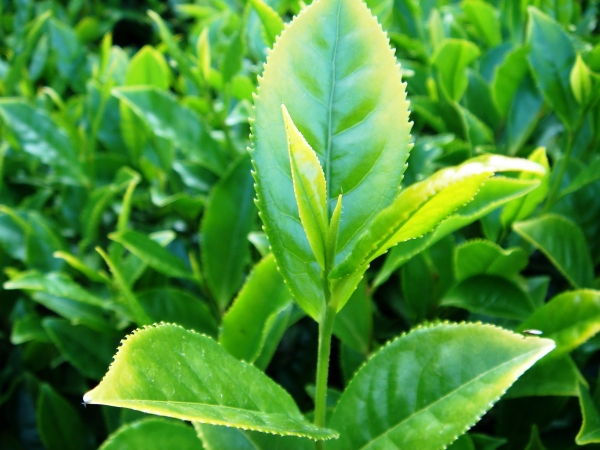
(335, 49)
(374, 413)
(167, 370)
(563, 243)
(153, 434)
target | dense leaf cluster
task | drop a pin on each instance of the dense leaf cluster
(127, 199)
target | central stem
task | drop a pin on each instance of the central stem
(325, 332)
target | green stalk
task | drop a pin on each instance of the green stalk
(325, 332)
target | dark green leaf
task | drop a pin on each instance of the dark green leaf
(59, 425)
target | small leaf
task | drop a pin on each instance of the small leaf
(169, 371)
(245, 326)
(148, 67)
(375, 413)
(151, 252)
(451, 60)
(535, 442)
(486, 20)
(203, 53)
(59, 425)
(508, 77)
(494, 193)
(153, 434)
(180, 307)
(557, 377)
(354, 324)
(590, 428)
(228, 218)
(272, 23)
(581, 81)
(522, 207)
(419, 208)
(39, 136)
(309, 188)
(166, 118)
(570, 319)
(490, 295)
(563, 243)
(478, 257)
(88, 350)
(551, 57)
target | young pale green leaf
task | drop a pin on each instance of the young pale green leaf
(375, 413)
(485, 19)
(522, 207)
(423, 205)
(152, 253)
(494, 193)
(39, 136)
(558, 377)
(309, 188)
(272, 23)
(551, 58)
(180, 307)
(169, 371)
(570, 319)
(333, 230)
(166, 118)
(478, 257)
(215, 437)
(491, 295)
(246, 324)
(347, 99)
(153, 434)
(203, 53)
(581, 81)
(88, 350)
(590, 428)
(451, 60)
(563, 243)
(58, 423)
(229, 216)
(148, 67)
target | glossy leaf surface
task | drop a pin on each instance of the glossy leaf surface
(167, 370)
(247, 323)
(165, 117)
(347, 100)
(570, 319)
(490, 295)
(153, 434)
(551, 57)
(495, 192)
(451, 59)
(387, 405)
(217, 437)
(485, 257)
(228, 218)
(563, 243)
(152, 253)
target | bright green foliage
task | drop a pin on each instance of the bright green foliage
(254, 312)
(153, 434)
(570, 319)
(374, 413)
(226, 437)
(126, 199)
(564, 245)
(164, 370)
(229, 217)
(353, 95)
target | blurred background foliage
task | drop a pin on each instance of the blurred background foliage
(126, 196)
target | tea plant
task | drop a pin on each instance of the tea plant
(427, 275)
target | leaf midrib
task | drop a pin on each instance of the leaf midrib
(430, 405)
(330, 110)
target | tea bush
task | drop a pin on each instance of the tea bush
(295, 248)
